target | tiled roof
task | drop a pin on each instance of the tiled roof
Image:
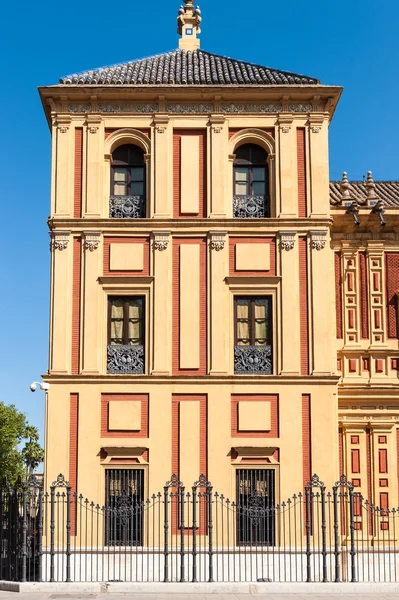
(387, 191)
(186, 67)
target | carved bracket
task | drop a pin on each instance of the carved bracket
(91, 240)
(287, 240)
(59, 240)
(161, 240)
(318, 239)
(217, 240)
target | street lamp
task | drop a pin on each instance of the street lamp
(42, 385)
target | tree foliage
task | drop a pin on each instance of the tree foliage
(14, 429)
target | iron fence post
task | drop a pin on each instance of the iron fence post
(166, 533)
(324, 532)
(336, 536)
(182, 534)
(68, 535)
(194, 490)
(307, 526)
(210, 528)
(52, 531)
(40, 535)
(24, 534)
(352, 530)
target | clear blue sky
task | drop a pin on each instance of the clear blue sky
(352, 43)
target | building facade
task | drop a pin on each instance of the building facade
(218, 307)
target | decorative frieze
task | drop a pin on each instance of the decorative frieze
(91, 240)
(161, 240)
(318, 239)
(300, 108)
(189, 108)
(253, 108)
(287, 240)
(217, 240)
(59, 240)
(114, 108)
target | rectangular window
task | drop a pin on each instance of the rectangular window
(253, 334)
(126, 333)
(255, 507)
(124, 506)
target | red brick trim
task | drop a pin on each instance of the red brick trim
(301, 162)
(127, 240)
(303, 303)
(78, 165)
(392, 285)
(73, 452)
(274, 401)
(355, 460)
(233, 241)
(144, 430)
(76, 292)
(383, 460)
(203, 461)
(364, 305)
(338, 293)
(177, 242)
(341, 451)
(306, 439)
(177, 135)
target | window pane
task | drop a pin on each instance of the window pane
(137, 189)
(258, 174)
(240, 189)
(243, 326)
(258, 188)
(261, 314)
(241, 173)
(120, 175)
(117, 322)
(120, 178)
(137, 174)
(135, 321)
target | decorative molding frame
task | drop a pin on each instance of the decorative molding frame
(127, 136)
(189, 108)
(59, 240)
(161, 240)
(91, 240)
(287, 240)
(217, 240)
(318, 239)
(251, 108)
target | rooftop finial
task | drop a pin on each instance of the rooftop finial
(188, 25)
(370, 187)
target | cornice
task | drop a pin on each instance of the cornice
(273, 225)
(204, 380)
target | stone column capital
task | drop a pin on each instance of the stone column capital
(161, 239)
(217, 240)
(318, 239)
(91, 240)
(287, 240)
(59, 240)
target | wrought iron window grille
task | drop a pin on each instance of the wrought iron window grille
(125, 360)
(251, 207)
(127, 207)
(255, 360)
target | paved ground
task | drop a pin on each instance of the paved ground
(138, 596)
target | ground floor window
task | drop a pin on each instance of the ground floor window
(255, 503)
(124, 497)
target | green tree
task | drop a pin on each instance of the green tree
(32, 452)
(14, 428)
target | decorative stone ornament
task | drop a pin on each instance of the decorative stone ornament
(318, 239)
(161, 240)
(345, 187)
(217, 240)
(59, 240)
(370, 187)
(287, 240)
(91, 240)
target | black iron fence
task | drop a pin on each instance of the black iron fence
(195, 534)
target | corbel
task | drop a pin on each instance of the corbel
(285, 122)
(93, 123)
(216, 122)
(161, 123)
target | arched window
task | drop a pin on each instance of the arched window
(128, 182)
(251, 183)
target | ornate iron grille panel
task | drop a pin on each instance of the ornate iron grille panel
(124, 493)
(255, 502)
(251, 207)
(255, 360)
(125, 359)
(127, 207)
